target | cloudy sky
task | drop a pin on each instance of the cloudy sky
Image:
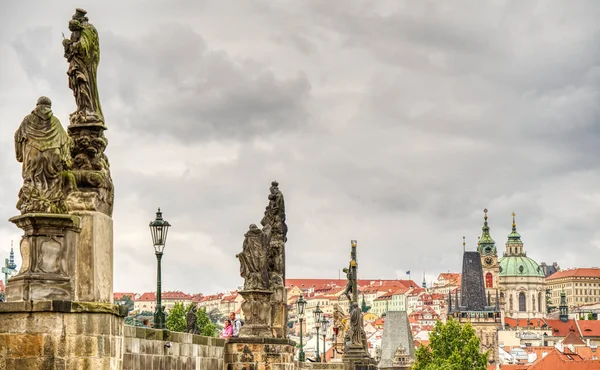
(391, 122)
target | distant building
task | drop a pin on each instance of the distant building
(581, 286)
(522, 281)
(474, 308)
(549, 269)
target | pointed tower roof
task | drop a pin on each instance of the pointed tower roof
(514, 237)
(11, 264)
(486, 243)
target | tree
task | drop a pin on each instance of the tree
(215, 315)
(127, 301)
(177, 320)
(452, 346)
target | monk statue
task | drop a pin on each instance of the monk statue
(43, 146)
(82, 51)
(253, 259)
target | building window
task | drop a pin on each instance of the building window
(533, 302)
(522, 302)
(510, 302)
(489, 280)
(540, 302)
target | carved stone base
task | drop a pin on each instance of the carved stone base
(257, 314)
(357, 358)
(48, 250)
(279, 312)
(259, 354)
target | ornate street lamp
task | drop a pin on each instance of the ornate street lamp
(159, 229)
(324, 326)
(301, 304)
(317, 312)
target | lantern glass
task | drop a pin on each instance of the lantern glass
(317, 314)
(301, 305)
(159, 229)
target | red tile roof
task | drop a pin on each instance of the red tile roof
(119, 296)
(589, 328)
(561, 329)
(573, 339)
(578, 272)
(556, 360)
(151, 296)
(523, 323)
(324, 284)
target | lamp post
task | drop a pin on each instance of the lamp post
(324, 326)
(301, 304)
(159, 229)
(317, 312)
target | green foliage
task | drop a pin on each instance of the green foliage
(127, 301)
(204, 324)
(177, 320)
(452, 346)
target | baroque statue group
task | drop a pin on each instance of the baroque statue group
(65, 170)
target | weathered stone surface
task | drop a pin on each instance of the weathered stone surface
(257, 311)
(94, 263)
(48, 248)
(53, 339)
(143, 351)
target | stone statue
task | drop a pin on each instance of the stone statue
(253, 259)
(43, 146)
(357, 331)
(91, 168)
(82, 51)
(275, 228)
(349, 283)
(192, 320)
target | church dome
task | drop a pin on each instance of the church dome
(515, 262)
(519, 266)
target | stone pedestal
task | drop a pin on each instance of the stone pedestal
(257, 314)
(93, 278)
(357, 358)
(279, 312)
(50, 335)
(48, 250)
(259, 354)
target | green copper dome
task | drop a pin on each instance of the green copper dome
(519, 266)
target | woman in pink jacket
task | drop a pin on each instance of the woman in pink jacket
(227, 331)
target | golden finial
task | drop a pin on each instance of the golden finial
(514, 223)
(464, 244)
(485, 211)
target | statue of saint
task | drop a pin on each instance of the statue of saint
(43, 146)
(357, 331)
(253, 259)
(82, 51)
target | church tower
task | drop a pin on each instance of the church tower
(489, 259)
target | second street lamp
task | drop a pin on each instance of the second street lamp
(301, 304)
(159, 229)
(324, 327)
(317, 314)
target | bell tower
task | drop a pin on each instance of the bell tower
(489, 259)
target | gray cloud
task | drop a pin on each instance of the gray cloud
(392, 123)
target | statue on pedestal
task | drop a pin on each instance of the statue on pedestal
(43, 146)
(253, 259)
(275, 229)
(82, 51)
(91, 168)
